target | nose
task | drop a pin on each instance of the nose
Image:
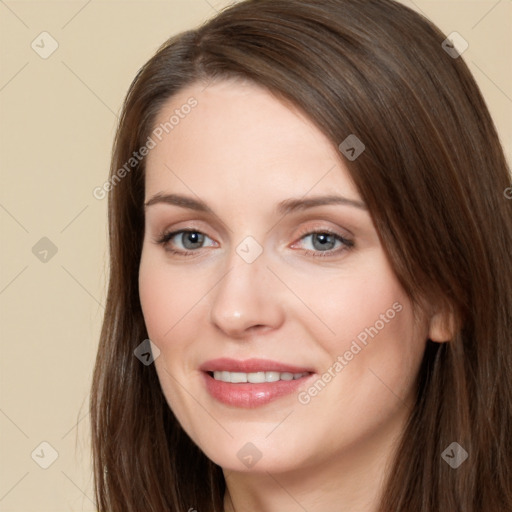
(248, 298)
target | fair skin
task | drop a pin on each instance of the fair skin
(241, 151)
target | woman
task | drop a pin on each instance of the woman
(308, 221)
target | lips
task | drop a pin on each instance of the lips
(251, 392)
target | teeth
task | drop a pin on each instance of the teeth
(256, 377)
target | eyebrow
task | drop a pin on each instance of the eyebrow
(284, 207)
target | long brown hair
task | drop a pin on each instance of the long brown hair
(433, 175)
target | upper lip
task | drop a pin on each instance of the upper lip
(250, 366)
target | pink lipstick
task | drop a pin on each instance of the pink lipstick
(253, 382)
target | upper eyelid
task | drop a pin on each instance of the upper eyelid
(298, 216)
(153, 218)
(196, 226)
(303, 232)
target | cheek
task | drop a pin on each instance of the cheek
(382, 349)
(155, 299)
(363, 315)
(348, 301)
(165, 296)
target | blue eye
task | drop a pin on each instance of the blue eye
(190, 240)
(323, 242)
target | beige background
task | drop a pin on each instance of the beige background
(57, 123)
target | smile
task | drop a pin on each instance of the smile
(253, 382)
(256, 377)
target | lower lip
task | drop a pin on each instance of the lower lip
(249, 396)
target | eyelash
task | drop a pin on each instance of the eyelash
(165, 238)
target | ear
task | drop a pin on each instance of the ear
(442, 326)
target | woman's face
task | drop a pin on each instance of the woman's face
(270, 285)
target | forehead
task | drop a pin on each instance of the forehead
(240, 137)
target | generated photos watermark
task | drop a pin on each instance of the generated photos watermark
(151, 142)
(357, 345)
